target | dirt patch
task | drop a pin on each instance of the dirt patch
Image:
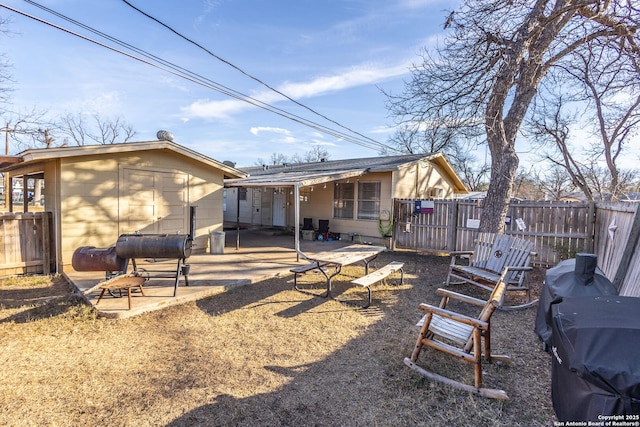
(264, 354)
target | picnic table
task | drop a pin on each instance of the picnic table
(330, 263)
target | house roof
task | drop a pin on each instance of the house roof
(6, 161)
(305, 174)
(42, 154)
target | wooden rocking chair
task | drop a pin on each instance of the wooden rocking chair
(460, 336)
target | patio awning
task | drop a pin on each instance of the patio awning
(297, 180)
(290, 179)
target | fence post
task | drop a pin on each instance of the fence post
(395, 212)
(453, 225)
(591, 227)
(46, 244)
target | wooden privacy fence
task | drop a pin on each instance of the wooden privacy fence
(616, 244)
(558, 229)
(26, 243)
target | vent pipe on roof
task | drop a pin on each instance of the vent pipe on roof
(164, 135)
(323, 160)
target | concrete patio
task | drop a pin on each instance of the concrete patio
(263, 254)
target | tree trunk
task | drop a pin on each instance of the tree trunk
(503, 172)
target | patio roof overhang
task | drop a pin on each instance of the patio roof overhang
(297, 180)
(292, 179)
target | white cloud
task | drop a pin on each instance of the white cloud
(351, 78)
(323, 143)
(357, 76)
(283, 136)
(383, 129)
(416, 4)
(259, 129)
(105, 103)
(205, 109)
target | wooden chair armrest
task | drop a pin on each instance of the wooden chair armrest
(454, 316)
(517, 268)
(458, 253)
(460, 297)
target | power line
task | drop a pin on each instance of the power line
(191, 76)
(250, 75)
(194, 77)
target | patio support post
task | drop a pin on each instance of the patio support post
(237, 218)
(296, 196)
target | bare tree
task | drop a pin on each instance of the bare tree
(75, 129)
(600, 182)
(614, 91)
(604, 99)
(28, 129)
(473, 173)
(34, 130)
(5, 76)
(549, 123)
(554, 183)
(491, 65)
(316, 154)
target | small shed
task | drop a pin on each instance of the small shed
(98, 192)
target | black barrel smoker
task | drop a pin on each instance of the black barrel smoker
(129, 247)
(579, 276)
(157, 246)
(595, 358)
(90, 258)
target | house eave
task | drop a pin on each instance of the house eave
(43, 154)
(303, 180)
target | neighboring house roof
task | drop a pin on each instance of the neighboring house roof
(41, 154)
(6, 161)
(472, 195)
(314, 173)
(631, 197)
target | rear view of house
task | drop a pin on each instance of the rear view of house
(354, 195)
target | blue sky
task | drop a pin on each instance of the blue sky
(333, 56)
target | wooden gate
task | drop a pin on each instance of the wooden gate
(26, 243)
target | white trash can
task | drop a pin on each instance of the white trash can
(216, 242)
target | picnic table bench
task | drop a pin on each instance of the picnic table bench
(324, 262)
(378, 275)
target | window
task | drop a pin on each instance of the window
(343, 200)
(368, 200)
(242, 193)
(436, 193)
(224, 200)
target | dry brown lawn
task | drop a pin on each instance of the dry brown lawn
(261, 355)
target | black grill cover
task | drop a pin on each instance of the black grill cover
(579, 276)
(595, 357)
